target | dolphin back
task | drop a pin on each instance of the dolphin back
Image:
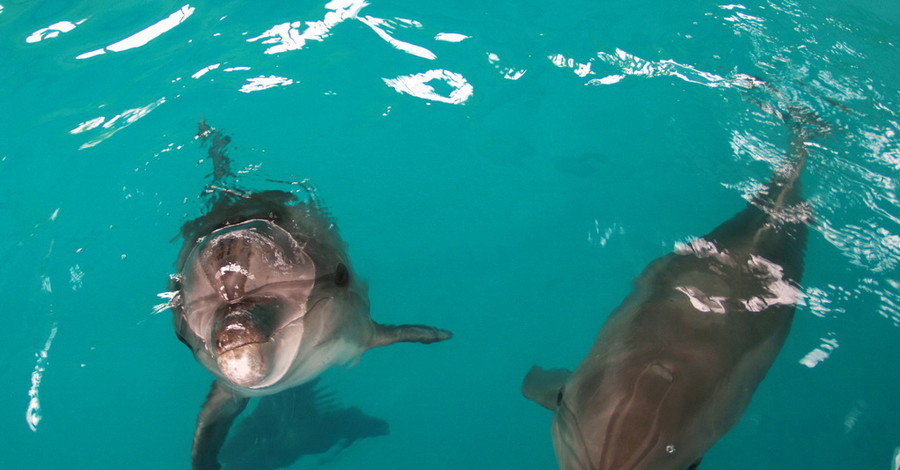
(675, 365)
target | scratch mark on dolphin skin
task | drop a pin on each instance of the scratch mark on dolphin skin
(33, 413)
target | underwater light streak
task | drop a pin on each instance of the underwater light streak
(114, 124)
(595, 236)
(746, 144)
(51, 31)
(509, 73)
(145, 35)
(33, 413)
(263, 83)
(204, 70)
(866, 245)
(76, 277)
(820, 303)
(413, 49)
(631, 65)
(450, 37)
(417, 85)
(852, 418)
(287, 36)
(819, 354)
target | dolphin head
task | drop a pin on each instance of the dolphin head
(255, 303)
(631, 419)
(261, 341)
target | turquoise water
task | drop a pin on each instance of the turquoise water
(500, 169)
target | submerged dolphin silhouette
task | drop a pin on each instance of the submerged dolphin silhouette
(305, 420)
(675, 365)
(266, 299)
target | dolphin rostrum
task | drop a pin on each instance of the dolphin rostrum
(675, 365)
(266, 298)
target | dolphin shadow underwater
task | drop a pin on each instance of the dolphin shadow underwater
(675, 365)
(300, 421)
(266, 298)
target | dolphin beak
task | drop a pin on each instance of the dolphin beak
(240, 339)
(244, 366)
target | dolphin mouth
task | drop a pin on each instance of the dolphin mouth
(223, 349)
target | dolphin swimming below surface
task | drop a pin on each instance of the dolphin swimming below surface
(266, 298)
(675, 365)
(306, 421)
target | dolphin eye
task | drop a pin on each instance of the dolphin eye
(341, 275)
(559, 396)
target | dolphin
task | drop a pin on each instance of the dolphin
(675, 365)
(266, 299)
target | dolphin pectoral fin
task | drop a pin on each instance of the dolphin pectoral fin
(390, 334)
(221, 407)
(696, 464)
(544, 386)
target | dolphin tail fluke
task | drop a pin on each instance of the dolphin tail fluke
(220, 409)
(543, 385)
(390, 334)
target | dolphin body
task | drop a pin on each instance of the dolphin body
(266, 299)
(675, 365)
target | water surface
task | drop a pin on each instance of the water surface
(501, 169)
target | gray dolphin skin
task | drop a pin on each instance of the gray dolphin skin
(266, 299)
(675, 365)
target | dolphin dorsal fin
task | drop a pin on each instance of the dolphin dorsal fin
(543, 386)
